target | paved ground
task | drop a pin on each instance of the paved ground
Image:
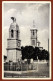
(43, 71)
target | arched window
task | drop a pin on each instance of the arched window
(12, 33)
(17, 33)
(33, 32)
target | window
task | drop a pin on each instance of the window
(17, 33)
(33, 32)
(12, 33)
(18, 44)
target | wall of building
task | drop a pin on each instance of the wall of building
(13, 44)
(11, 55)
(18, 54)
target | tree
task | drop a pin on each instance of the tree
(27, 52)
(45, 55)
(37, 53)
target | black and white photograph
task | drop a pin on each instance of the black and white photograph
(26, 40)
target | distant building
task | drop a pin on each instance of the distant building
(34, 38)
(13, 42)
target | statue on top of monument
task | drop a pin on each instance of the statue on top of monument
(14, 19)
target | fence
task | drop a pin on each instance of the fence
(19, 66)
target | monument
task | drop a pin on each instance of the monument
(13, 42)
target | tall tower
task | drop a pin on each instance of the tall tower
(34, 36)
(13, 42)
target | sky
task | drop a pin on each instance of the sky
(25, 14)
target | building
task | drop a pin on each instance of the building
(13, 42)
(34, 38)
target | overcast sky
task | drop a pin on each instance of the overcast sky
(25, 13)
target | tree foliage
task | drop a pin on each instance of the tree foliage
(29, 52)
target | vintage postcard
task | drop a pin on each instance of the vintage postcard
(26, 40)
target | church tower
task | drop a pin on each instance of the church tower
(34, 36)
(13, 42)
